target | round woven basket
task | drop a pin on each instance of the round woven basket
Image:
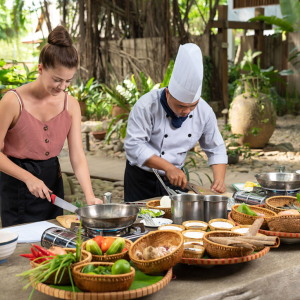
(248, 220)
(289, 223)
(102, 283)
(193, 239)
(86, 258)
(221, 251)
(157, 239)
(273, 202)
(203, 227)
(113, 257)
(154, 203)
(214, 228)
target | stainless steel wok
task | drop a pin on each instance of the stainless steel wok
(279, 181)
(108, 216)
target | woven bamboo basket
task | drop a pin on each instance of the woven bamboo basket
(102, 283)
(244, 219)
(157, 239)
(289, 223)
(273, 202)
(172, 225)
(86, 258)
(202, 225)
(221, 251)
(192, 253)
(154, 203)
(113, 257)
(214, 228)
(188, 237)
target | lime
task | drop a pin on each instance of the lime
(121, 266)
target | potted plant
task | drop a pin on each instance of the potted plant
(99, 133)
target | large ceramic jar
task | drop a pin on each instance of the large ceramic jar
(247, 112)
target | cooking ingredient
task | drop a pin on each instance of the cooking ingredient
(241, 230)
(165, 201)
(46, 268)
(195, 224)
(79, 242)
(139, 254)
(107, 243)
(93, 247)
(253, 230)
(57, 250)
(27, 255)
(124, 250)
(194, 235)
(150, 253)
(121, 266)
(116, 247)
(266, 240)
(250, 184)
(171, 228)
(45, 252)
(233, 240)
(104, 270)
(289, 212)
(248, 189)
(260, 215)
(221, 225)
(190, 244)
(151, 213)
(88, 268)
(243, 208)
(154, 253)
(99, 240)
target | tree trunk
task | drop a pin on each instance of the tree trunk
(82, 60)
(47, 16)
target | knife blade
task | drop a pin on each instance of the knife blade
(62, 203)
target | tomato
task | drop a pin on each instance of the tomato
(121, 266)
(124, 250)
(107, 243)
(99, 240)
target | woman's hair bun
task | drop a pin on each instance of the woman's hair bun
(60, 37)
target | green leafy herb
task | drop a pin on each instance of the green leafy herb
(79, 242)
(151, 213)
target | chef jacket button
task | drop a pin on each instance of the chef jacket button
(166, 135)
(167, 116)
(47, 153)
(189, 135)
(46, 141)
(163, 153)
(191, 116)
(46, 128)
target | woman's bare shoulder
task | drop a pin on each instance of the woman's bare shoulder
(10, 101)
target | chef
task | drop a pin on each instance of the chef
(164, 125)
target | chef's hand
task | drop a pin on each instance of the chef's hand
(94, 201)
(218, 185)
(176, 177)
(38, 188)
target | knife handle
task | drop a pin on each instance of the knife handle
(52, 197)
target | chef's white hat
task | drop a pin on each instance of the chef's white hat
(186, 81)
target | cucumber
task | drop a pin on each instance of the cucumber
(93, 247)
(116, 247)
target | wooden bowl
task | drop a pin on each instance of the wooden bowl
(202, 225)
(157, 239)
(272, 202)
(102, 283)
(221, 251)
(113, 257)
(87, 257)
(289, 223)
(214, 228)
(244, 219)
(154, 203)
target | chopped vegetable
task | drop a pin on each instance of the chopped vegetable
(243, 208)
(150, 212)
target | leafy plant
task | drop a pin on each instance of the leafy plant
(82, 92)
(273, 20)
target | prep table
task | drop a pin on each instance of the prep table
(274, 276)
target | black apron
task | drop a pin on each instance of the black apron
(140, 184)
(18, 205)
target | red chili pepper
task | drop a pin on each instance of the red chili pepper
(34, 252)
(27, 255)
(44, 251)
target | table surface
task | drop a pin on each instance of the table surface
(274, 276)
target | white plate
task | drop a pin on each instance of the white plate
(158, 222)
(156, 211)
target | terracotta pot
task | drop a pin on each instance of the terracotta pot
(118, 110)
(82, 108)
(245, 114)
(99, 135)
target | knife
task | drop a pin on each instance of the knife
(195, 190)
(62, 203)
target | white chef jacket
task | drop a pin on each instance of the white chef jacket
(150, 132)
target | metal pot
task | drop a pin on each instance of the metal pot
(186, 207)
(215, 207)
(279, 181)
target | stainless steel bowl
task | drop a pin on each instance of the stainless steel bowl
(186, 207)
(108, 216)
(279, 181)
(215, 207)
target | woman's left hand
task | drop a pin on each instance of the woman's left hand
(218, 185)
(94, 201)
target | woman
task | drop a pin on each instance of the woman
(35, 120)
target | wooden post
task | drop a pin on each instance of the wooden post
(223, 13)
(259, 37)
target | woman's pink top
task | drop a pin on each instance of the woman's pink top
(34, 139)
